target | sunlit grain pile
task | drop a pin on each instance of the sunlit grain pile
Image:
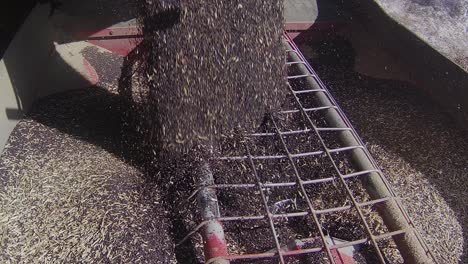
(67, 195)
(206, 69)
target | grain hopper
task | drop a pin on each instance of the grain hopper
(303, 188)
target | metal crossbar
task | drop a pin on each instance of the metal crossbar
(301, 182)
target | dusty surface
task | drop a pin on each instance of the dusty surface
(197, 85)
(422, 152)
(442, 24)
(69, 193)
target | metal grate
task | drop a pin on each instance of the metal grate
(318, 167)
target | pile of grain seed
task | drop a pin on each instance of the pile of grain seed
(419, 148)
(66, 193)
(206, 69)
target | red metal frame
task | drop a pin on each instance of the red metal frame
(122, 40)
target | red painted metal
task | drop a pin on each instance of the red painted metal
(122, 40)
(110, 32)
(119, 40)
(341, 258)
(299, 26)
(214, 245)
(130, 31)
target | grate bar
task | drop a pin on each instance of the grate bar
(271, 134)
(253, 157)
(307, 109)
(359, 173)
(333, 129)
(299, 76)
(265, 203)
(294, 62)
(309, 91)
(307, 154)
(302, 131)
(298, 155)
(342, 149)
